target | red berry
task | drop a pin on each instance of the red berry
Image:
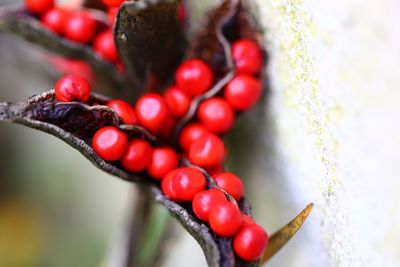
(104, 45)
(72, 87)
(216, 114)
(80, 28)
(137, 156)
(55, 19)
(164, 160)
(187, 182)
(225, 219)
(204, 200)
(167, 127)
(243, 92)
(208, 151)
(125, 111)
(38, 6)
(120, 66)
(166, 185)
(110, 143)
(247, 56)
(177, 102)
(151, 111)
(215, 169)
(112, 3)
(194, 77)
(230, 183)
(250, 242)
(247, 220)
(112, 15)
(181, 12)
(72, 66)
(191, 133)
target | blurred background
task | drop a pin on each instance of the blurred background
(327, 133)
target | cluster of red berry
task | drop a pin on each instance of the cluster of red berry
(199, 141)
(79, 25)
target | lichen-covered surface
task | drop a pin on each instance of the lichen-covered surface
(334, 113)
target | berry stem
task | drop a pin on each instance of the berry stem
(221, 37)
(196, 102)
(140, 130)
(220, 84)
(210, 180)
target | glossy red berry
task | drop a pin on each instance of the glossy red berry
(163, 161)
(72, 66)
(247, 56)
(250, 242)
(181, 12)
(194, 77)
(215, 169)
(112, 14)
(80, 28)
(38, 7)
(230, 183)
(72, 87)
(151, 111)
(55, 19)
(225, 219)
(216, 114)
(187, 182)
(124, 111)
(243, 92)
(167, 127)
(191, 133)
(112, 3)
(247, 220)
(110, 143)
(137, 156)
(208, 151)
(204, 200)
(120, 66)
(166, 185)
(177, 101)
(104, 46)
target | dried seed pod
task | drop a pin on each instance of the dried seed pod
(73, 122)
(150, 41)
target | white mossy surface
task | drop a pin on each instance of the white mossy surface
(335, 107)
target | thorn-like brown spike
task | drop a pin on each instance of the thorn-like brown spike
(281, 237)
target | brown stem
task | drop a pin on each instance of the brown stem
(196, 102)
(139, 220)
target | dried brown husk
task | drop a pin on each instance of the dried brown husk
(150, 41)
(73, 122)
